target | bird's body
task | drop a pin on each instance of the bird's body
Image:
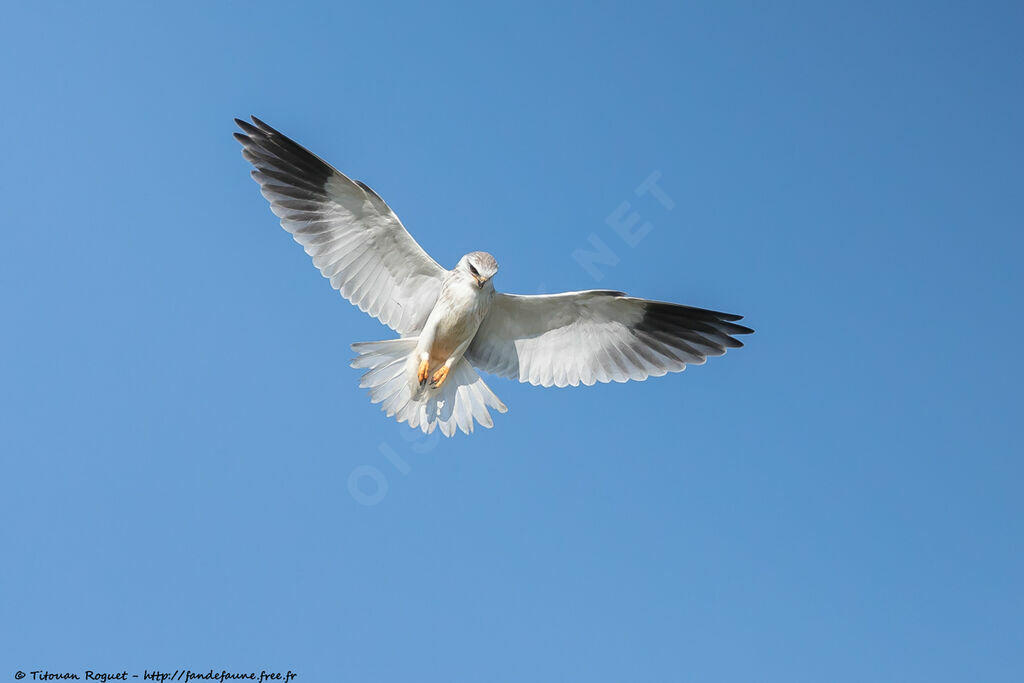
(453, 321)
(463, 303)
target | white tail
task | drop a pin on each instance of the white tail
(391, 379)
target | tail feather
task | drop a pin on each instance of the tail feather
(381, 374)
(459, 403)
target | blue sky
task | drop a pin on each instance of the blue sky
(840, 500)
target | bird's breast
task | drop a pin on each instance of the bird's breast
(458, 314)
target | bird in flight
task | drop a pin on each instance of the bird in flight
(451, 322)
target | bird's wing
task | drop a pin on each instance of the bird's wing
(596, 336)
(355, 239)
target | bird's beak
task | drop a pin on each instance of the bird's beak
(480, 281)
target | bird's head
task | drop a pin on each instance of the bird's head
(478, 266)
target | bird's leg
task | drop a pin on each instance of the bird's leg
(441, 375)
(442, 372)
(424, 370)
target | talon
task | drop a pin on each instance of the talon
(423, 372)
(439, 377)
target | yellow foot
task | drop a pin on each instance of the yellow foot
(439, 377)
(423, 372)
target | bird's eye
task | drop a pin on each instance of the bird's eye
(473, 270)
